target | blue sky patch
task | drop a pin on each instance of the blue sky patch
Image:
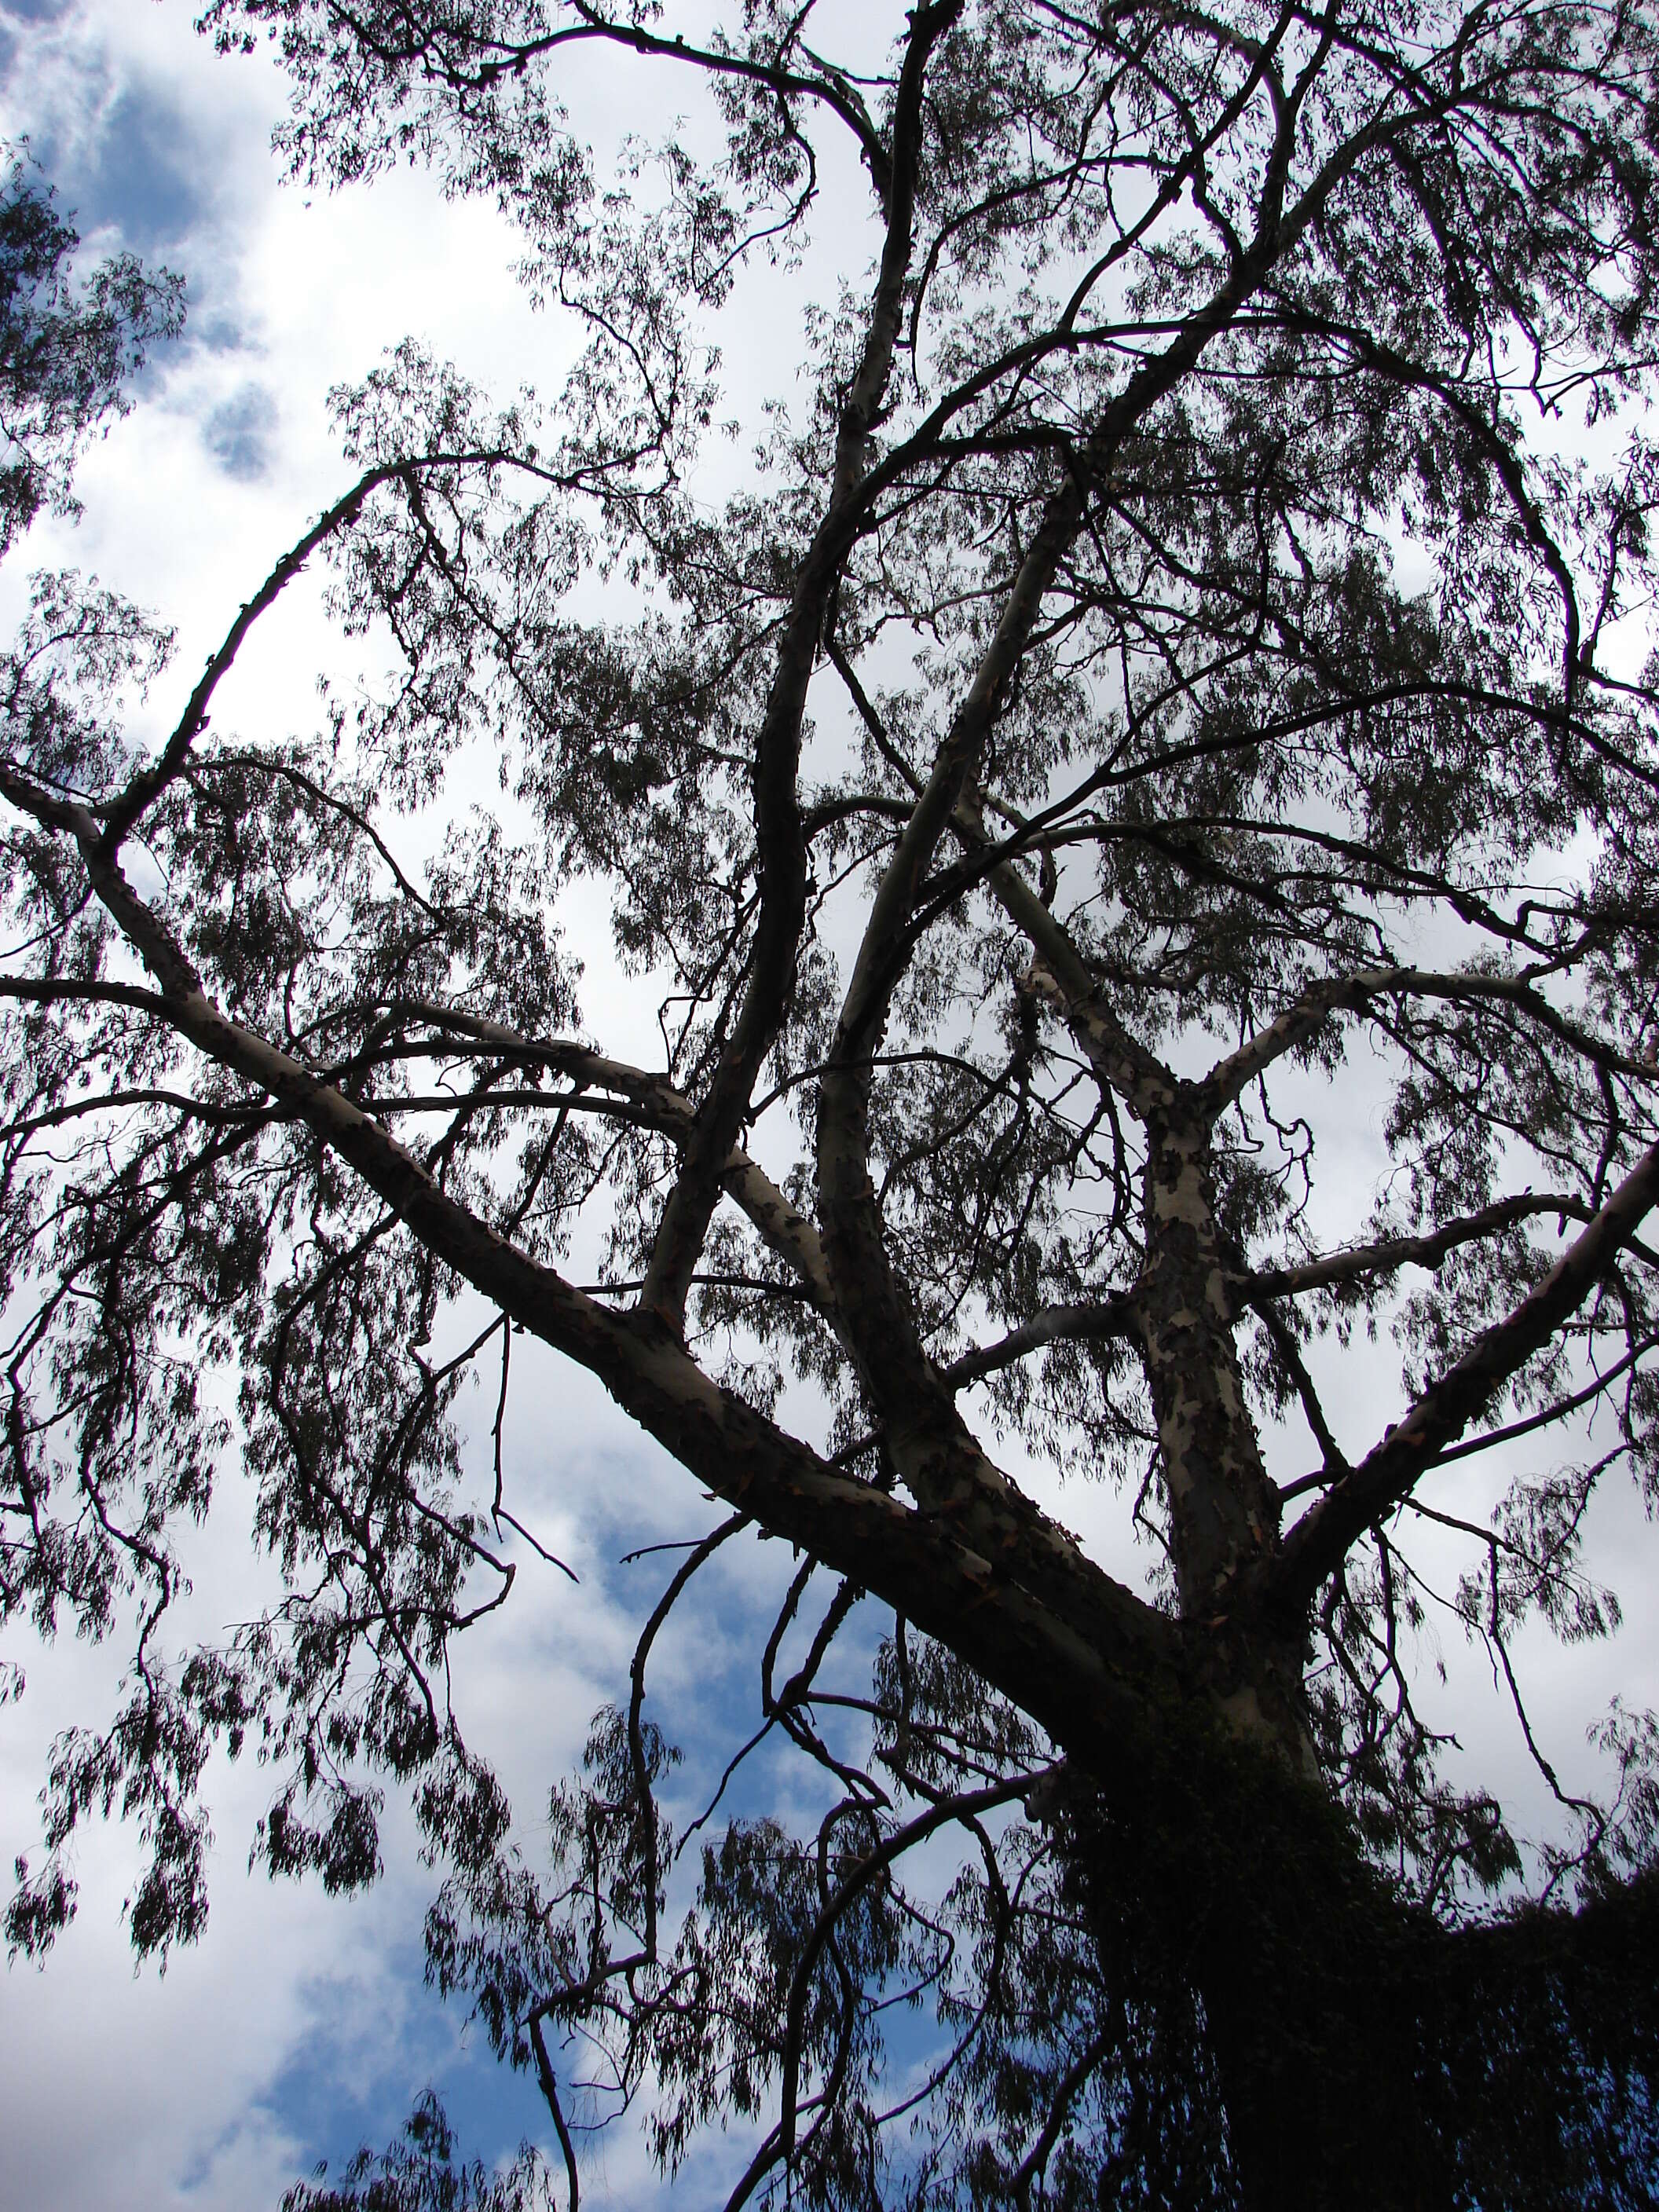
(36, 11)
(138, 171)
(145, 177)
(333, 2103)
(238, 433)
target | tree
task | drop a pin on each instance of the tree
(63, 358)
(1178, 665)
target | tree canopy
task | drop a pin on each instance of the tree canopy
(1174, 677)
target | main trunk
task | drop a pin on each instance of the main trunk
(1249, 1888)
(1233, 1880)
(1222, 1509)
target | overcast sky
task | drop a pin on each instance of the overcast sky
(300, 2025)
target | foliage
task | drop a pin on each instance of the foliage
(419, 2174)
(1174, 681)
(63, 355)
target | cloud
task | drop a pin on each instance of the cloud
(143, 162)
(300, 2025)
(140, 2093)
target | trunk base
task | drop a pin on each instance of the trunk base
(1335, 2044)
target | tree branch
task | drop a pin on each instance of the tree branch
(1317, 1543)
(781, 846)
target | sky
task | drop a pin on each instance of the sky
(299, 2026)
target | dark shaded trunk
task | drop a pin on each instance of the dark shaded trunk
(1313, 1988)
(1240, 1886)
(1351, 2050)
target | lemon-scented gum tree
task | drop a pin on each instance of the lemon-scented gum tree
(1235, 686)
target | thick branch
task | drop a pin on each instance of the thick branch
(1083, 1660)
(787, 1230)
(1353, 994)
(1318, 1543)
(1112, 1319)
(931, 1445)
(1062, 976)
(1333, 1269)
(829, 89)
(780, 839)
(1111, 1323)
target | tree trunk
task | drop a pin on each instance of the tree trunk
(1241, 1884)
(1284, 1937)
(1223, 1510)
